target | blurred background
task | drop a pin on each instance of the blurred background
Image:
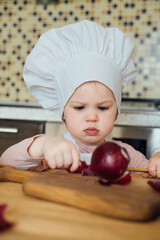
(22, 23)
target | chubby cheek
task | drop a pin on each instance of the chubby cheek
(106, 129)
(73, 125)
(107, 126)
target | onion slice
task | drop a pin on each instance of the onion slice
(124, 180)
(4, 224)
(155, 185)
(80, 168)
(87, 172)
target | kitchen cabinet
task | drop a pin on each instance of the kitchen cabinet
(13, 131)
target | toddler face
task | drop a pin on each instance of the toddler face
(90, 113)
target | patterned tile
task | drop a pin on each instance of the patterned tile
(22, 23)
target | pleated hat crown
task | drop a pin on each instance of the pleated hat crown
(66, 57)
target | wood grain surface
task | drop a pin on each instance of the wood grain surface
(136, 201)
(37, 219)
(10, 174)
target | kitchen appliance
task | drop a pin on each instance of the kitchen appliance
(144, 139)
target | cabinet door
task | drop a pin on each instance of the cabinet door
(12, 132)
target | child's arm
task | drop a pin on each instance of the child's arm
(17, 155)
(137, 159)
(28, 153)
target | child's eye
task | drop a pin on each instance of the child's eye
(79, 108)
(102, 108)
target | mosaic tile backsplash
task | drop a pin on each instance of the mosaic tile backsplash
(22, 23)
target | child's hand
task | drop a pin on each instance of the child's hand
(58, 152)
(154, 166)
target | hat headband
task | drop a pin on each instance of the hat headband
(86, 68)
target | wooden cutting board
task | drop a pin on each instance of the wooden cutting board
(136, 201)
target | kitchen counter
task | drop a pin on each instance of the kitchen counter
(38, 219)
(28, 113)
(128, 117)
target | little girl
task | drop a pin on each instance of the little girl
(78, 71)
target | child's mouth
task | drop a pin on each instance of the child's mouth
(91, 131)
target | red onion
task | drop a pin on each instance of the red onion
(109, 161)
(3, 223)
(155, 185)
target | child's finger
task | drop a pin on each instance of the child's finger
(158, 170)
(51, 160)
(152, 168)
(145, 175)
(76, 160)
(67, 159)
(59, 159)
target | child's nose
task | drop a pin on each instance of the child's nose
(92, 116)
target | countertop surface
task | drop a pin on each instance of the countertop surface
(128, 117)
(39, 219)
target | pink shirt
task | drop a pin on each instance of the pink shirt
(18, 157)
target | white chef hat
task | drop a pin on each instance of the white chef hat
(66, 57)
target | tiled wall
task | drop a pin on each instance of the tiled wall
(23, 21)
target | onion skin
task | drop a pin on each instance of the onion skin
(87, 172)
(109, 161)
(4, 224)
(155, 185)
(124, 180)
